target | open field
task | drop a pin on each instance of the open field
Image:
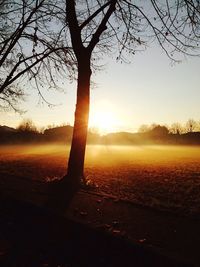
(164, 177)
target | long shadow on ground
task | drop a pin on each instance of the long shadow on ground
(30, 236)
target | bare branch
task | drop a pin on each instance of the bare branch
(90, 18)
(102, 27)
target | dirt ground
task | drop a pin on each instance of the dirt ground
(31, 236)
(36, 224)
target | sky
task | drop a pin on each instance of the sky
(148, 90)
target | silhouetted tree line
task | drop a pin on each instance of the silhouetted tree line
(175, 128)
(27, 132)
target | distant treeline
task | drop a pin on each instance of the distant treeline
(29, 134)
(26, 132)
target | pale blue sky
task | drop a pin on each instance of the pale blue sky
(149, 90)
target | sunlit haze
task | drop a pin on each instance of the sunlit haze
(104, 118)
(148, 90)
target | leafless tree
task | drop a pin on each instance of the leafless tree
(123, 26)
(27, 125)
(96, 28)
(191, 126)
(32, 52)
(176, 128)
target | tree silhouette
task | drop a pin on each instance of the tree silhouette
(191, 125)
(159, 131)
(176, 128)
(27, 125)
(96, 28)
(31, 53)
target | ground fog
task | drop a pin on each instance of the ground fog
(163, 177)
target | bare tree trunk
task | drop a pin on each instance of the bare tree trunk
(77, 153)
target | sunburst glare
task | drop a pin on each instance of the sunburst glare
(104, 118)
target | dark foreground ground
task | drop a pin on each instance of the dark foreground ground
(95, 230)
(31, 236)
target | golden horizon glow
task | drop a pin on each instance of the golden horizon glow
(137, 96)
(103, 118)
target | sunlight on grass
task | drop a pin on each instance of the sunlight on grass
(109, 155)
(158, 176)
(141, 155)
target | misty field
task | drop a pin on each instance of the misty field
(164, 177)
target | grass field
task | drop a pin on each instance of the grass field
(164, 177)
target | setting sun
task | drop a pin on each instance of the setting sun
(103, 118)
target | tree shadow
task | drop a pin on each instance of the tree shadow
(60, 194)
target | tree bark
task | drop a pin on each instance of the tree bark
(77, 152)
